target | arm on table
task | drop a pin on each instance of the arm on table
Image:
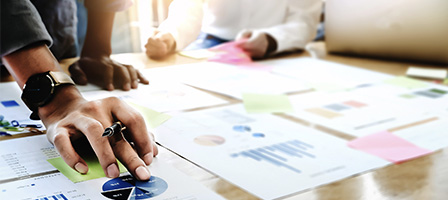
(69, 117)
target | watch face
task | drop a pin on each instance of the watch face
(38, 89)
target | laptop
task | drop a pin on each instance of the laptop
(399, 29)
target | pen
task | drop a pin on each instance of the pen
(116, 127)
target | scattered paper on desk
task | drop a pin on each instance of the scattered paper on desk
(95, 169)
(267, 103)
(153, 118)
(198, 54)
(427, 73)
(406, 82)
(388, 146)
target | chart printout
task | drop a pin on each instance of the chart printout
(261, 152)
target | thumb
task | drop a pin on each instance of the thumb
(77, 74)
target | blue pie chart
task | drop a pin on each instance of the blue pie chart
(126, 187)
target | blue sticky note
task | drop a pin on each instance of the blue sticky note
(10, 103)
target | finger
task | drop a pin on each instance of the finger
(244, 34)
(135, 126)
(142, 78)
(65, 148)
(77, 74)
(93, 130)
(126, 154)
(155, 149)
(122, 77)
(134, 76)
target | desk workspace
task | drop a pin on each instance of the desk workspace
(225, 137)
(221, 101)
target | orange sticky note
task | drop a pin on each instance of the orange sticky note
(388, 146)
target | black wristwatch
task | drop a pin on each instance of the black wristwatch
(40, 88)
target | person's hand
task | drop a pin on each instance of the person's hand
(257, 44)
(70, 118)
(105, 72)
(160, 44)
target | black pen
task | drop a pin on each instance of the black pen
(116, 127)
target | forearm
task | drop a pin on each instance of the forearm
(99, 34)
(30, 60)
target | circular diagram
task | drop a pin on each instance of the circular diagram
(126, 187)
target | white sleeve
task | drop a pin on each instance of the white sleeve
(300, 25)
(184, 21)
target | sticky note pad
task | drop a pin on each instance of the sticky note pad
(406, 82)
(267, 103)
(153, 118)
(388, 146)
(10, 103)
(95, 169)
(198, 54)
(427, 73)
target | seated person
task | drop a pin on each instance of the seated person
(268, 26)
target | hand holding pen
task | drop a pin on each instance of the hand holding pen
(90, 120)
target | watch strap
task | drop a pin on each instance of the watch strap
(61, 78)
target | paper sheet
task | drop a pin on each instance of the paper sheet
(13, 108)
(166, 183)
(228, 79)
(406, 82)
(352, 113)
(241, 148)
(388, 146)
(262, 103)
(198, 54)
(427, 73)
(95, 169)
(23, 157)
(432, 135)
(324, 75)
(161, 96)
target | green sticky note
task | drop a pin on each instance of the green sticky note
(153, 118)
(267, 103)
(406, 82)
(95, 169)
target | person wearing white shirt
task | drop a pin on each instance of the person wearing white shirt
(269, 26)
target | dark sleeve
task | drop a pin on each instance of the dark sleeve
(21, 26)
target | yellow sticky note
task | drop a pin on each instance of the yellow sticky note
(198, 54)
(406, 82)
(445, 82)
(95, 169)
(153, 118)
(267, 103)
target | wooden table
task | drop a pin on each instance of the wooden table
(422, 178)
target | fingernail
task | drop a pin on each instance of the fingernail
(110, 87)
(81, 168)
(127, 86)
(112, 171)
(135, 84)
(142, 173)
(148, 158)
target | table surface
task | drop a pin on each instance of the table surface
(422, 178)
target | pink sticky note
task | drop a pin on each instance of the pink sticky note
(388, 146)
(232, 53)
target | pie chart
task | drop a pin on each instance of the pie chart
(209, 140)
(126, 187)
